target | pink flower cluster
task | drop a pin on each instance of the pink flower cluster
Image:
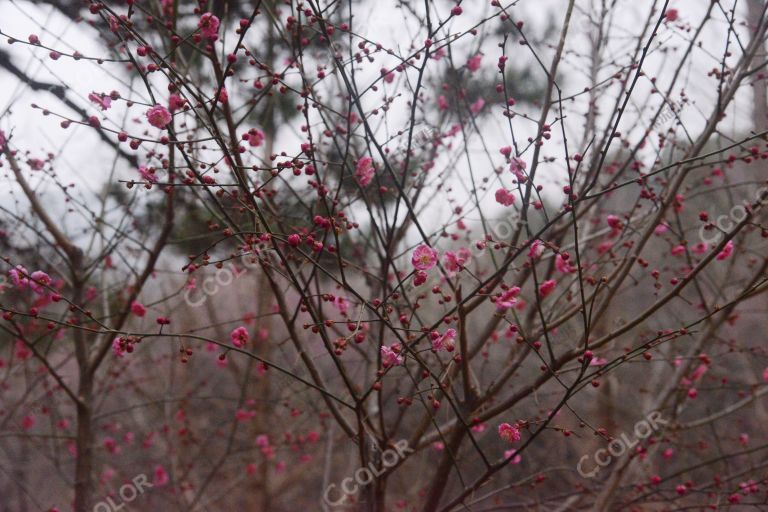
(364, 171)
(509, 433)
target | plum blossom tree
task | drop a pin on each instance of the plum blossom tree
(253, 249)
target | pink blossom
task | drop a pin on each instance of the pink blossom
(255, 137)
(419, 278)
(117, 348)
(454, 262)
(699, 372)
(28, 422)
(138, 309)
(102, 100)
(244, 415)
(473, 64)
(36, 164)
(389, 357)
(158, 116)
(3, 140)
(536, 250)
(511, 454)
(505, 197)
(517, 167)
(727, 250)
(563, 265)
(239, 336)
(424, 257)
(223, 95)
(547, 287)
(364, 171)
(19, 277)
(39, 281)
(700, 248)
(22, 351)
(389, 76)
(614, 221)
(161, 476)
(209, 26)
(442, 102)
(671, 14)
(477, 106)
(509, 433)
(447, 341)
(765, 375)
(508, 298)
(439, 54)
(176, 102)
(678, 250)
(148, 174)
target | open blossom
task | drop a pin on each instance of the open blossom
(39, 281)
(508, 298)
(473, 64)
(563, 264)
(176, 102)
(547, 287)
(158, 116)
(424, 257)
(442, 102)
(536, 250)
(455, 261)
(255, 137)
(19, 276)
(239, 336)
(148, 174)
(364, 171)
(509, 433)
(389, 357)
(505, 197)
(445, 342)
(117, 348)
(101, 100)
(517, 167)
(727, 250)
(209, 26)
